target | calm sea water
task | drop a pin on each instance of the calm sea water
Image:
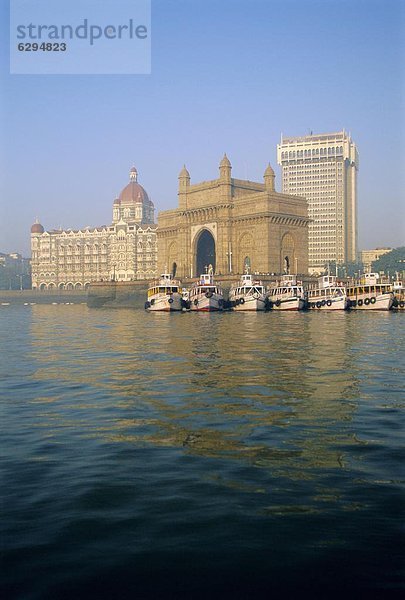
(201, 455)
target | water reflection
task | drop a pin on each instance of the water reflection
(274, 391)
(142, 437)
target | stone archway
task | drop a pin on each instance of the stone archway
(246, 253)
(205, 254)
(287, 256)
(172, 258)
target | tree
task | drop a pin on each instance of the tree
(349, 269)
(391, 262)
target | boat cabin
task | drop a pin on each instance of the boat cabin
(327, 281)
(288, 280)
(286, 290)
(247, 283)
(162, 289)
(166, 285)
(373, 289)
(246, 280)
(207, 279)
(371, 278)
(326, 292)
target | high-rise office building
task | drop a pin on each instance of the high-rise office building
(323, 168)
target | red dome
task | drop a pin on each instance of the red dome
(133, 192)
(37, 228)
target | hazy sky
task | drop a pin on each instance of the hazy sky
(227, 76)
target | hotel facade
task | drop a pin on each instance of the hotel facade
(323, 168)
(126, 250)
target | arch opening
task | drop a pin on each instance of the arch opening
(288, 263)
(205, 252)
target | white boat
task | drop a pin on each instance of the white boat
(205, 295)
(327, 294)
(370, 293)
(398, 290)
(247, 294)
(286, 294)
(165, 295)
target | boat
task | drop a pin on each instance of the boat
(370, 293)
(327, 294)
(205, 295)
(398, 289)
(247, 294)
(165, 295)
(286, 294)
(185, 295)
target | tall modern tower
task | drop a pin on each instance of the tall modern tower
(323, 168)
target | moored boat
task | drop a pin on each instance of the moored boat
(247, 294)
(165, 295)
(286, 294)
(370, 293)
(185, 295)
(398, 290)
(205, 294)
(327, 294)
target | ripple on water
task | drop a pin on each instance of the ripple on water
(214, 450)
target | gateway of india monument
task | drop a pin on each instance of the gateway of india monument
(226, 223)
(231, 224)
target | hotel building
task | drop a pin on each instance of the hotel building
(123, 251)
(323, 168)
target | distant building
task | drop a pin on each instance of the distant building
(123, 251)
(232, 224)
(323, 168)
(367, 257)
(15, 272)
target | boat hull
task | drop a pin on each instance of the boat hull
(203, 304)
(246, 303)
(399, 302)
(171, 303)
(379, 302)
(286, 303)
(341, 303)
